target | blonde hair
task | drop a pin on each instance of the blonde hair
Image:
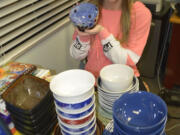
(125, 17)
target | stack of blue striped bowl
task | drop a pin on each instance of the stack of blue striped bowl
(74, 98)
(138, 113)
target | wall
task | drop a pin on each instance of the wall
(53, 51)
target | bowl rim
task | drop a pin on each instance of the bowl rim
(75, 94)
(77, 99)
(144, 127)
(156, 132)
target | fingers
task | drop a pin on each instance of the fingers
(95, 30)
(81, 33)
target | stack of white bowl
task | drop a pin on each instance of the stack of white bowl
(114, 81)
(74, 98)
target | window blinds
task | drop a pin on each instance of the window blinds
(25, 22)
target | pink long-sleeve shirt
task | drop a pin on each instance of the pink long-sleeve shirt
(103, 48)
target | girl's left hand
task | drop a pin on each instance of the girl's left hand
(98, 28)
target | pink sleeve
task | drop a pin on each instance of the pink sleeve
(82, 38)
(139, 32)
(104, 34)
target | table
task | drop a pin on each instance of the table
(172, 73)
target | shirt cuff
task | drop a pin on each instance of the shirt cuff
(84, 38)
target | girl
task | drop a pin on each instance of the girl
(119, 37)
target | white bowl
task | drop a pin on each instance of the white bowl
(76, 99)
(116, 77)
(72, 83)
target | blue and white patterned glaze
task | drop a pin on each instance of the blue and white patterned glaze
(77, 115)
(84, 16)
(74, 106)
(140, 112)
(79, 129)
(114, 129)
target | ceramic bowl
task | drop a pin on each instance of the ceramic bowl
(116, 77)
(83, 131)
(77, 121)
(140, 112)
(135, 87)
(159, 131)
(84, 16)
(76, 115)
(72, 85)
(77, 128)
(76, 111)
(68, 107)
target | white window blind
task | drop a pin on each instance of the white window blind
(25, 22)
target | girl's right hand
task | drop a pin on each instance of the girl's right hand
(80, 33)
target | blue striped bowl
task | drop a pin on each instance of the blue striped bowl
(74, 106)
(76, 115)
(79, 129)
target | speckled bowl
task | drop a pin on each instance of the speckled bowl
(84, 16)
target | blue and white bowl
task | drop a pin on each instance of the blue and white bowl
(72, 86)
(139, 112)
(77, 128)
(76, 115)
(82, 130)
(84, 16)
(68, 107)
(111, 129)
(74, 99)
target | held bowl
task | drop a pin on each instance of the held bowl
(116, 77)
(84, 16)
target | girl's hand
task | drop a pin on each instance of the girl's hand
(98, 28)
(80, 33)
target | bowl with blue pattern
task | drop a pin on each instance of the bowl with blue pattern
(140, 112)
(77, 128)
(84, 16)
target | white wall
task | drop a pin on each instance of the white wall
(53, 51)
